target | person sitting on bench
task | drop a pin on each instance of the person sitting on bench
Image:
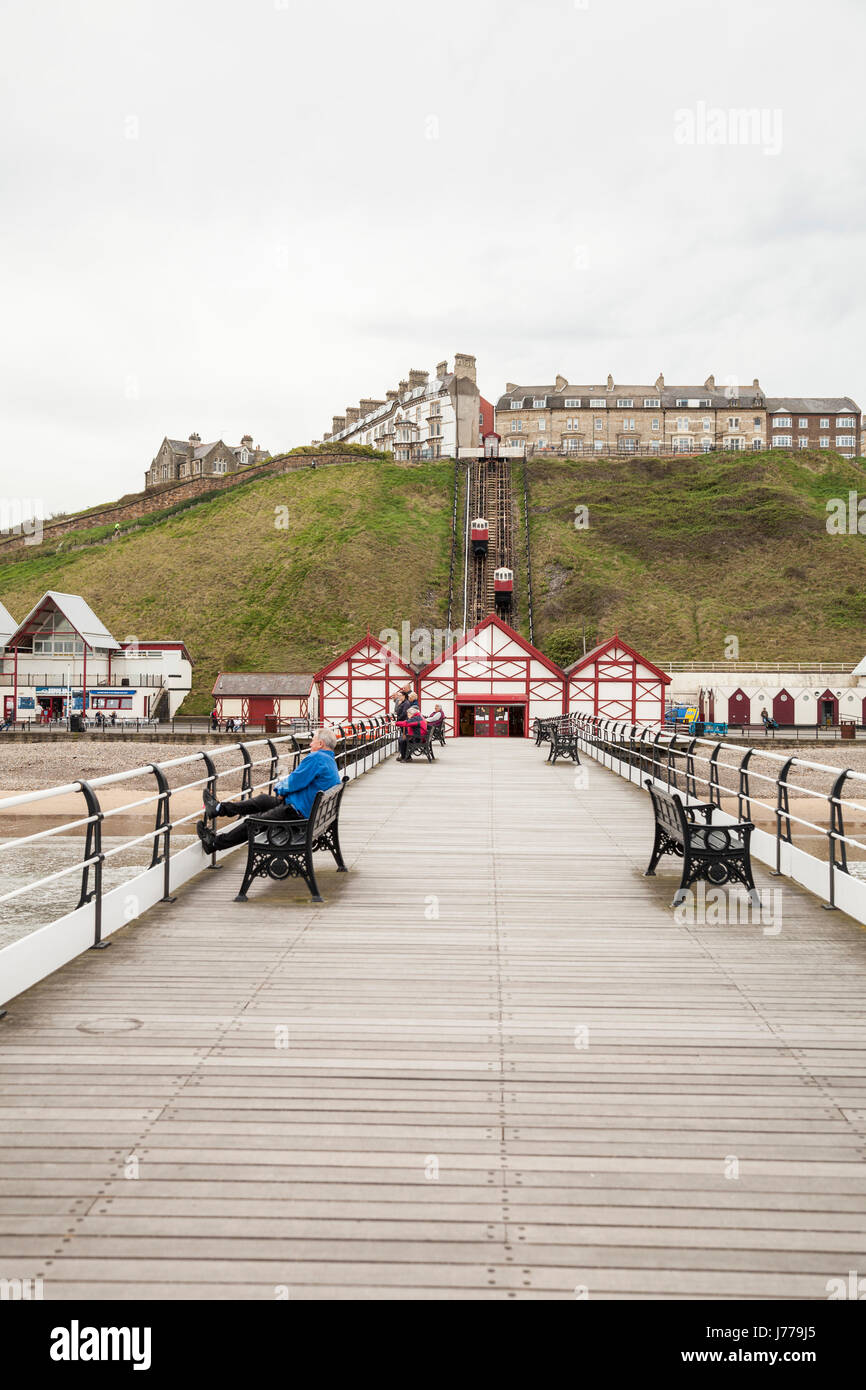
(414, 728)
(437, 717)
(292, 799)
(401, 707)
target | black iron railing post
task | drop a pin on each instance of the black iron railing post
(744, 810)
(715, 785)
(835, 835)
(211, 786)
(162, 814)
(247, 777)
(631, 750)
(782, 809)
(93, 851)
(691, 783)
(164, 832)
(657, 758)
(275, 762)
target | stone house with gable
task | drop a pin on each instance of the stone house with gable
(179, 460)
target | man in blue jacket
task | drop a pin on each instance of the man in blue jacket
(292, 800)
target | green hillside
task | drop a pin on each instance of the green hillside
(248, 586)
(680, 553)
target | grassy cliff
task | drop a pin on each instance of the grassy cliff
(681, 553)
(276, 574)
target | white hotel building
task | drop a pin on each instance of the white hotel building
(61, 659)
(427, 416)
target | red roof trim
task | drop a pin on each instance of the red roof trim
(492, 621)
(362, 642)
(596, 651)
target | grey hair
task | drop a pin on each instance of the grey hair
(328, 738)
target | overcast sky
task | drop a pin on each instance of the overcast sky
(243, 215)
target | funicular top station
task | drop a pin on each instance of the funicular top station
(493, 1062)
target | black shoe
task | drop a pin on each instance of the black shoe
(210, 803)
(206, 836)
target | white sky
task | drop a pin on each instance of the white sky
(283, 236)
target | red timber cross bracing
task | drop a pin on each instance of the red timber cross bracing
(615, 682)
(493, 668)
(362, 683)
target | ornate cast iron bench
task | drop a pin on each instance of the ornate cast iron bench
(417, 747)
(541, 728)
(281, 849)
(438, 731)
(563, 743)
(718, 854)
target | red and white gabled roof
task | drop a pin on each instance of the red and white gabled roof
(493, 637)
(615, 649)
(368, 648)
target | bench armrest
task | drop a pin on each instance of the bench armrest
(746, 826)
(706, 809)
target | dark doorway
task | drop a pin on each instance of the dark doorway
(492, 721)
(517, 721)
(828, 709)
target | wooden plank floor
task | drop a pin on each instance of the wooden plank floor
(509, 1072)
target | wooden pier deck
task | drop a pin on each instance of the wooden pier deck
(509, 1073)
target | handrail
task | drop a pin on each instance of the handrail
(642, 746)
(357, 747)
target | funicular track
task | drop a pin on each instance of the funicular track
(489, 495)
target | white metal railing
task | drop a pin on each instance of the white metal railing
(771, 667)
(708, 770)
(360, 746)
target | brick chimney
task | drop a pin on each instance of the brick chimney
(464, 365)
(417, 378)
(402, 387)
(338, 424)
(710, 383)
(442, 369)
(660, 382)
(368, 405)
(510, 386)
(392, 395)
(195, 439)
(352, 415)
(561, 383)
(247, 441)
(609, 382)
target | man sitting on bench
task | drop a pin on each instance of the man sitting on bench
(292, 799)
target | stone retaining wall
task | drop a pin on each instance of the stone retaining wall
(164, 495)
